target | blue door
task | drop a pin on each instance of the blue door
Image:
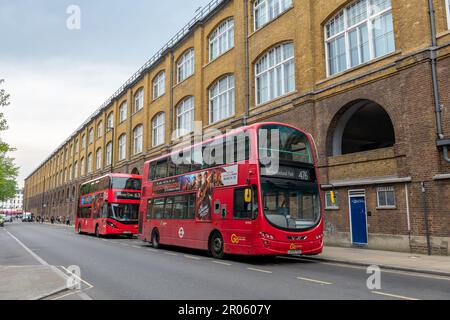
(358, 220)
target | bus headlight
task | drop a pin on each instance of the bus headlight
(112, 225)
(266, 236)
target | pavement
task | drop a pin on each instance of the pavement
(128, 269)
(437, 265)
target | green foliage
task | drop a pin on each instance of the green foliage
(8, 171)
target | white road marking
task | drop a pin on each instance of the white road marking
(259, 270)
(152, 250)
(192, 257)
(170, 253)
(315, 281)
(393, 295)
(74, 275)
(136, 247)
(221, 262)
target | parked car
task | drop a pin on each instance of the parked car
(8, 219)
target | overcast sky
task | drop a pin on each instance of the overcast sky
(57, 76)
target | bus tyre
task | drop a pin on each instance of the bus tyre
(97, 232)
(79, 228)
(216, 245)
(155, 239)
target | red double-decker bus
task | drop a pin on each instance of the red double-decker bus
(244, 204)
(109, 205)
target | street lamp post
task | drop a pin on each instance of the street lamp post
(112, 149)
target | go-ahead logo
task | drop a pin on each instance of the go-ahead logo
(236, 239)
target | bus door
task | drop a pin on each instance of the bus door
(244, 214)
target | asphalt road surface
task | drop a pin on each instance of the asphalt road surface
(119, 268)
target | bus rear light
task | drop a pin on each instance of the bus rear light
(266, 236)
(112, 225)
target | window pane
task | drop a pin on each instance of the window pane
(383, 35)
(353, 43)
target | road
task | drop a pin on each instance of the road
(127, 269)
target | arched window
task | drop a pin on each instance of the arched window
(70, 173)
(122, 147)
(91, 135)
(98, 159)
(123, 111)
(265, 11)
(109, 154)
(185, 65)
(159, 85)
(447, 6)
(83, 141)
(158, 129)
(275, 73)
(185, 116)
(77, 146)
(360, 32)
(75, 170)
(110, 121)
(137, 139)
(139, 100)
(89, 163)
(82, 168)
(221, 99)
(221, 39)
(99, 129)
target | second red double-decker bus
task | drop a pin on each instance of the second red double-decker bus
(253, 191)
(109, 205)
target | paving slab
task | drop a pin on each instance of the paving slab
(30, 282)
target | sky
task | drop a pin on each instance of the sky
(59, 67)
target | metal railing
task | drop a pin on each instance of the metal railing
(200, 15)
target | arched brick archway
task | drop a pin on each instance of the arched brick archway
(361, 125)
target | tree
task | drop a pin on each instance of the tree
(8, 171)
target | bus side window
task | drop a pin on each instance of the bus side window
(152, 171)
(168, 208)
(158, 208)
(149, 209)
(191, 207)
(161, 169)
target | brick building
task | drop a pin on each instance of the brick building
(368, 78)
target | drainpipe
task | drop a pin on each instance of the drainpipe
(442, 142)
(247, 65)
(425, 215)
(171, 102)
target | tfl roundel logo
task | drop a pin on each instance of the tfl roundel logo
(181, 232)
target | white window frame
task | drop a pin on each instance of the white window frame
(139, 100)
(89, 163)
(110, 121)
(329, 205)
(138, 134)
(158, 129)
(159, 85)
(109, 153)
(369, 20)
(98, 159)
(283, 6)
(82, 167)
(186, 65)
(224, 99)
(223, 38)
(123, 110)
(100, 129)
(447, 9)
(91, 135)
(75, 170)
(270, 72)
(122, 147)
(189, 111)
(386, 190)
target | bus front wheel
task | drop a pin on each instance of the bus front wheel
(97, 232)
(216, 245)
(155, 239)
(79, 228)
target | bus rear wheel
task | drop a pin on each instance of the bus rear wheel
(79, 228)
(216, 246)
(97, 232)
(155, 239)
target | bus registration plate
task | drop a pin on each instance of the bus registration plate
(127, 232)
(295, 252)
